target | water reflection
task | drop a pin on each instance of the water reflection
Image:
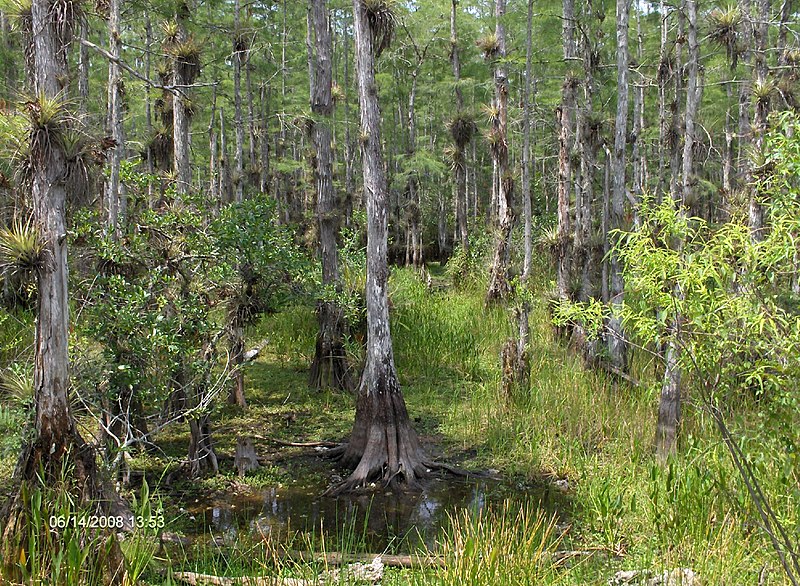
(379, 521)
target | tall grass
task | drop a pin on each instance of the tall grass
(505, 546)
(593, 436)
(48, 546)
(443, 332)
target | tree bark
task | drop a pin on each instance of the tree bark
(586, 143)
(225, 184)
(181, 115)
(564, 113)
(760, 34)
(663, 75)
(498, 277)
(441, 224)
(264, 140)
(745, 90)
(412, 184)
(115, 191)
(637, 152)
(527, 163)
(238, 56)
(383, 446)
(148, 110)
(459, 160)
(349, 151)
(253, 176)
(617, 350)
(213, 164)
(83, 69)
(329, 367)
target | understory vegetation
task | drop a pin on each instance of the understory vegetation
(572, 436)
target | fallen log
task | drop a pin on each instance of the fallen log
(371, 572)
(297, 444)
(336, 558)
(196, 579)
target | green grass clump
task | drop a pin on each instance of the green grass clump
(506, 546)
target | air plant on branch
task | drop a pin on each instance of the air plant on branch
(489, 45)
(21, 249)
(462, 128)
(382, 18)
(724, 26)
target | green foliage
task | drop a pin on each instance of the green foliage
(353, 270)
(141, 547)
(268, 266)
(437, 330)
(720, 284)
(738, 328)
(16, 384)
(167, 292)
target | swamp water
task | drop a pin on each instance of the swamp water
(375, 522)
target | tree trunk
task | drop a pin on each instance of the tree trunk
(760, 34)
(238, 56)
(663, 75)
(148, 110)
(83, 69)
(745, 90)
(459, 160)
(727, 163)
(586, 142)
(329, 367)
(564, 115)
(527, 163)
(264, 140)
(383, 446)
(57, 447)
(213, 165)
(670, 402)
(115, 191)
(605, 293)
(236, 395)
(637, 153)
(498, 277)
(252, 140)
(617, 350)
(349, 151)
(186, 398)
(225, 186)
(669, 405)
(182, 77)
(441, 224)
(412, 184)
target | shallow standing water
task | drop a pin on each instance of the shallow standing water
(376, 522)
